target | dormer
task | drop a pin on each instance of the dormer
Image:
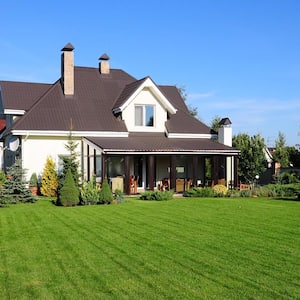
(143, 107)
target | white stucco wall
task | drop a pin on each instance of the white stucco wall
(145, 97)
(35, 151)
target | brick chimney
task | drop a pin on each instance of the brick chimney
(104, 64)
(67, 70)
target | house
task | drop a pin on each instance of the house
(134, 132)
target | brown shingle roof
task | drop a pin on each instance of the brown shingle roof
(21, 95)
(128, 90)
(90, 109)
(159, 143)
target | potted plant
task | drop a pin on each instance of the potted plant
(33, 184)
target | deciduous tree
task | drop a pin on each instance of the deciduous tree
(252, 158)
(281, 153)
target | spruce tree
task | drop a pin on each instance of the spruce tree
(70, 161)
(105, 195)
(49, 179)
(69, 193)
(15, 187)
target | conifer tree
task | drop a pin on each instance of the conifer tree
(70, 161)
(69, 193)
(105, 195)
(15, 187)
(49, 179)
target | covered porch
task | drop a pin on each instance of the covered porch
(154, 162)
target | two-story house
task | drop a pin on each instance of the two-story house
(124, 127)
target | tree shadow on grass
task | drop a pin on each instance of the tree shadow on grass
(296, 199)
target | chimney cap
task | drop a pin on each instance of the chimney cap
(104, 57)
(225, 121)
(68, 47)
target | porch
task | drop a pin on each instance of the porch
(155, 162)
(133, 174)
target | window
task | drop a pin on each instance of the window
(144, 115)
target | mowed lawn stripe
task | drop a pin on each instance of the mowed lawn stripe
(184, 248)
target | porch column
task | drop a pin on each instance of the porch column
(127, 174)
(173, 172)
(194, 169)
(104, 167)
(215, 170)
(150, 172)
(236, 176)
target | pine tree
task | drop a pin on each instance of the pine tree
(69, 193)
(49, 179)
(15, 187)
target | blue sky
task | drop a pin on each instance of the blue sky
(236, 59)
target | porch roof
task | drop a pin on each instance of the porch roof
(158, 143)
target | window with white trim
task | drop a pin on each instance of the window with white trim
(144, 115)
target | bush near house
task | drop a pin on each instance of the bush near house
(199, 192)
(49, 179)
(220, 190)
(291, 190)
(69, 193)
(2, 178)
(157, 195)
(89, 193)
(105, 194)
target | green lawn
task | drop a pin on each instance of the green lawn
(178, 249)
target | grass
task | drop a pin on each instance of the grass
(178, 249)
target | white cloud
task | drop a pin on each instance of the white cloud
(195, 96)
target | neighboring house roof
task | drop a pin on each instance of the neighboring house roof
(157, 142)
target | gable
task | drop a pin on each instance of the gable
(131, 91)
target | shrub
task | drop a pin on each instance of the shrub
(287, 177)
(284, 190)
(49, 179)
(234, 193)
(105, 194)
(262, 191)
(69, 194)
(220, 190)
(199, 192)
(2, 178)
(245, 193)
(89, 192)
(157, 195)
(118, 196)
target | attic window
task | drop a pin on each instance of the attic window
(144, 115)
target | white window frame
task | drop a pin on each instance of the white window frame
(144, 110)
